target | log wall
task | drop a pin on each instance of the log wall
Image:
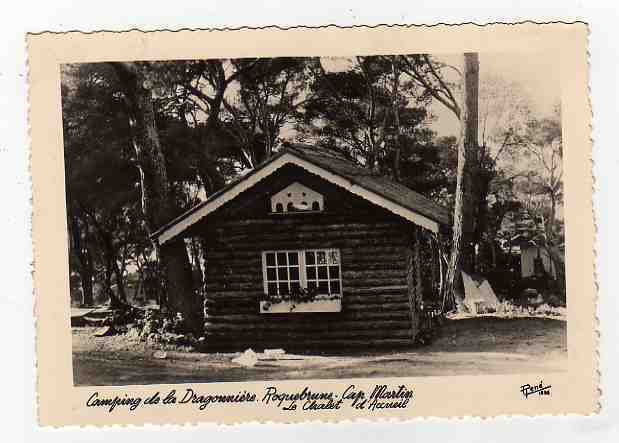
(375, 253)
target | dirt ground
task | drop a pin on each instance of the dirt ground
(484, 345)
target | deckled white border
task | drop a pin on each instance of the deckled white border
(15, 185)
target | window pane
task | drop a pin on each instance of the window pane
(272, 288)
(322, 272)
(323, 287)
(283, 289)
(293, 258)
(334, 272)
(335, 287)
(311, 273)
(294, 273)
(270, 259)
(334, 258)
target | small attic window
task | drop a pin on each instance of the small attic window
(297, 198)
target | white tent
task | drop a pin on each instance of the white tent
(479, 297)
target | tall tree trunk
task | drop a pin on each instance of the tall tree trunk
(82, 255)
(117, 299)
(113, 301)
(462, 249)
(157, 204)
(211, 178)
(120, 281)
(434, 256)
(551, 221)
(493, 251)
(88, 298)
(396, 120)
(481, 186)
(212, 135)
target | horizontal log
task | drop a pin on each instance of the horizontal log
(358, 311)
(375, 307)
(368, 282)
(233, 264)
(235, 318)
(258, 334)
(245, 309)
(314, 243)
(370, 256)
(377, 298)
(362, 251)
(213, 254)
(276, 226)
(371, 315)
(236, 295)
(376, 289)
(227, 286)
(349, 310)
(373, 273)
(323, 233)
(247, 276)
(305, 325)
(378, 264)
(334, 220)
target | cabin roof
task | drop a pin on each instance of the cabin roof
(331, 166)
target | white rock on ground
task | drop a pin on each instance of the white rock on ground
(247, 359)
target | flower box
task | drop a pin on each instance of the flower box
(288, 307)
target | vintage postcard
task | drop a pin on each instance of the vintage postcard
(312, 224)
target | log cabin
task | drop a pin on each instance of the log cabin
(310, 250)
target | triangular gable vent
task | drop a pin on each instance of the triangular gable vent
(297, 198)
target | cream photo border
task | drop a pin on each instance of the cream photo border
(60, 403)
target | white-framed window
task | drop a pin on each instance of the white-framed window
(316, 270)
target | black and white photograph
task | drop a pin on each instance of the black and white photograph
(314, 217)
